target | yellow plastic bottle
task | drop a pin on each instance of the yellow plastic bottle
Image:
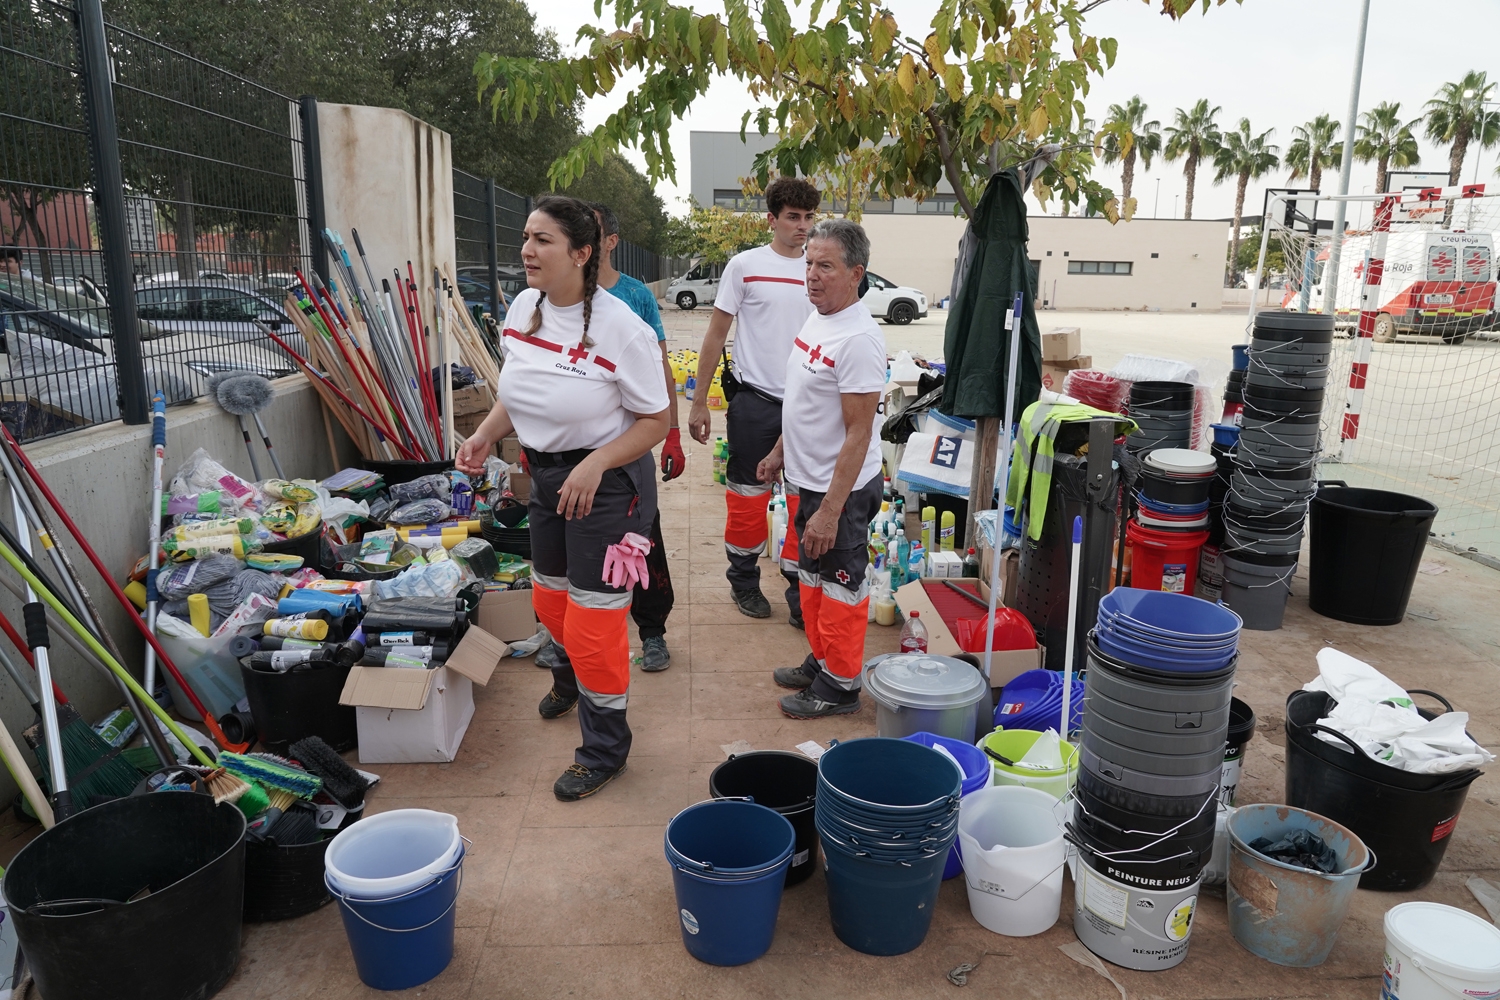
(946, 531)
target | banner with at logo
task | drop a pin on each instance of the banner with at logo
(938, 462)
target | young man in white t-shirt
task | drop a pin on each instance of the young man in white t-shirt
(829, 450)
(762, 293)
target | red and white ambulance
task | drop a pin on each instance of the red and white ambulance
(1437, 283)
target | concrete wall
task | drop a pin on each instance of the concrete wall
(390, 176)
(1187, 274)
(103, 477)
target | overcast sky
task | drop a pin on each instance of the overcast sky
(1277, 62)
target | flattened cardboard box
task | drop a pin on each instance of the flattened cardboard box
(507, 615)
(410, 716)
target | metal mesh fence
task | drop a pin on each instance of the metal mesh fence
(215, 213)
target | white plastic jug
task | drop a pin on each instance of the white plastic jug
(1011, 839)
(393, 852)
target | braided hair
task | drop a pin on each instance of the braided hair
(581, 227)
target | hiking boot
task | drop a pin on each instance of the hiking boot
(751, 602)
(797, 677)
(556, 705)
(806, 705)
(654, 654)
(796, 622)
(579, 782)
(552, 656)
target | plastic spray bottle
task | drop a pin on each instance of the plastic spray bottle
(946, 531)
(929, 526)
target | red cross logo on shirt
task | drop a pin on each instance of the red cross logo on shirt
(815, 353)
(576, 353)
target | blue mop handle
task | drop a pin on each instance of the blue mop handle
(159, 420)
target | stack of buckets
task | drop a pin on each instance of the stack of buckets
(1266, 507)
(887, 815)
(1164, 413)
(1155, 723)
(1210, 563)
(396, 876)
(1171, 519)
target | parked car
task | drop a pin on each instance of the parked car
(896, 304)
(57, 356)
(474, 286)
(695, 288)
(218, 308)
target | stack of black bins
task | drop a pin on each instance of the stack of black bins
(1164, 413)
(1266, 509)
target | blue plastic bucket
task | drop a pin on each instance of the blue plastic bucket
(729, 860)
(406, 939)
(1033, 700)
(977, 774)
(881, 908)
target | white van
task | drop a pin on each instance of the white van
(1436, 283)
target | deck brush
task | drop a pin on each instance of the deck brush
(344, 783)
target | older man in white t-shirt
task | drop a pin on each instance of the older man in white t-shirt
(829, 450)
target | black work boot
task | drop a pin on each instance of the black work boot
(751, 602)
(555, 705)
(797, 677)
(579, 782)
(809, 705)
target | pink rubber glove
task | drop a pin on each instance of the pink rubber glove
(625, 562)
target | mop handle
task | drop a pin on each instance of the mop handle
(1010, 405)
(1072, 626)
(153, 526)
(34, 619)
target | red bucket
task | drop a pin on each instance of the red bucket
(1163, 560)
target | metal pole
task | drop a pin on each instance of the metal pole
(312, 172)
(109, 209)
(1260, 261)
(491, 245)
(1346, 167)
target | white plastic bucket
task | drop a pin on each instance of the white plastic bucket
(393, 852)
(1437, 952)
(1129, 926)
(1013, 852)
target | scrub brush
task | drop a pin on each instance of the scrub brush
(225, 787)
(344, 783)
(272, 774)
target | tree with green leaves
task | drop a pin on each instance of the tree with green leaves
(1315, 146)
(1383, 137)
(1126, 136)
(984, 85)
(1457, 116)
(618, 184)
(713, 234)
(1192, 136)
(1245, 156)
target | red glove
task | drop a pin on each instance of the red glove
(673, 460)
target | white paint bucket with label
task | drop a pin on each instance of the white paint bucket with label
(1437, 952)
(1132, 927)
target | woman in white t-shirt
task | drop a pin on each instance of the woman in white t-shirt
(581, 387)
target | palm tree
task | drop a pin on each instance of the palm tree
(1127, 134)
(1193, 134)
(1246, 156)
(1383, 137)
(1314, 146)
(1457, 115)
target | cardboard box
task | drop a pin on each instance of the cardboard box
(1010, 575)
(473, 399)
(1005, 665)
(407, 716)
(510, 449)
(1054, 372)
(1061, 343)
(507, 615)
(520, 485)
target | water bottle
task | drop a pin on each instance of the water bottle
(902, 549)
(914, 635)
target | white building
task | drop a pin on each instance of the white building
(1151, 264)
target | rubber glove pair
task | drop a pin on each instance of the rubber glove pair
(625, 562)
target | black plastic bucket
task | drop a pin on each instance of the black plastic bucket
(300, 703)
(177, 855)
(1094, 788)
(1406, 819)
(785, 782)
(1288, 326)
(1366, 546)
(404, 470)
(1241, 728)
(284, 882)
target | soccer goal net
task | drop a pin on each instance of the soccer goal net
(1413, 397)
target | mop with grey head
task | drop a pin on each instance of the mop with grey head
(246, 394)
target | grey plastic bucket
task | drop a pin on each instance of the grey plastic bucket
(1141, 693)
(1131, 927)
(1168, 785)
(1262, 543)
(1257, 593)
(1176, 744)
(1150, 756)
(1150, 719)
